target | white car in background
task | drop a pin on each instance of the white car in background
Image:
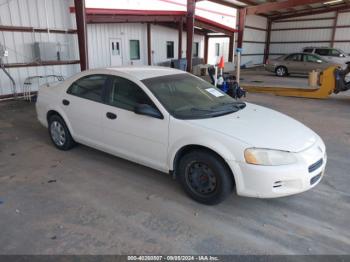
(332, 55)
(177, 123)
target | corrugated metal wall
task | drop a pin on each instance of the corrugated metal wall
(291, 36)
(51, 14)
(343, 33)
(254, 39)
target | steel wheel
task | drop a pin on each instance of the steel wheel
(205, 177)
(201, 178)
(58, 133)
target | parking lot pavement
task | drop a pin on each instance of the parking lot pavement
(87, 202)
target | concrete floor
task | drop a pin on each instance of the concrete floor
(257, 76)
(88, 202)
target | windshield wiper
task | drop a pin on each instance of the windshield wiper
(237, 105)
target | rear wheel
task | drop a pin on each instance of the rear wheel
(281, 71)
(205, 177)
(59, 133)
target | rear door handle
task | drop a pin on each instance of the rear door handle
(65, 102)
(111, 115)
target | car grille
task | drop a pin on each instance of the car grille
(315, 179)
(315, 165)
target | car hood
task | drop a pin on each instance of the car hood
(263, 128)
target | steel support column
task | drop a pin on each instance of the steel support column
(191, 5)
(149, 44)
(206, 47)
(80, 17)
(230, 48)
(241, 24)
(267, 41)
(180, 29)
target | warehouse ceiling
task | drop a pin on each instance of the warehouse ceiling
(283, 9)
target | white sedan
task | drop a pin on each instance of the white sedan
(177, 123)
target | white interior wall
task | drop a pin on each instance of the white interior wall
(196, 38)
(32, 13)
(159, 36)
(302, 36)
(224, 48)
(100, 34)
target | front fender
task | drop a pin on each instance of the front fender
(203, 141)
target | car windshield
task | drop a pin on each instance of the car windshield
(189, 97)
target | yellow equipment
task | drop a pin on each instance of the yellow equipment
(326, 87)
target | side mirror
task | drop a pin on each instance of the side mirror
(147, 110)
(319, 61)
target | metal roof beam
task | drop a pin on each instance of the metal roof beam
(275, 6)
(319, 10)
(228, 4)
(248, 2)
(92, 19)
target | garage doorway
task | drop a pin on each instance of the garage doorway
(115, 52)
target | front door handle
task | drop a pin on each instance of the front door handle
(65, 102)
(111, 115)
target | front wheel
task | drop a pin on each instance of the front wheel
(205, 177)
(281, 71)
(59, 133)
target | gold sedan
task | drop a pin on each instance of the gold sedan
(297, 63)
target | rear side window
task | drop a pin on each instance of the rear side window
(323, 51)
(294, 57)
(126, 94)
(89, 87)
(308, 50)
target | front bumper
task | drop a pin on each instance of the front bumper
(276, 181)
(270, 67)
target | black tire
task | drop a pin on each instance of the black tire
(66, 142)
(281, 71)
(204, 169)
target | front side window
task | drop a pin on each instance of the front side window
(335, 52)
(217, 49)
(294, 57)
(134, 50)
(323, 51)
(126, 94)
(195, 49)
(170, 49)
(187, 97)
(311, 58)
(89, 87)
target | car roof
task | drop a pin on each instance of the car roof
(319, 47)
(301, 53)
(144, 72)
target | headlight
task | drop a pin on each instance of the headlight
(268, 157)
